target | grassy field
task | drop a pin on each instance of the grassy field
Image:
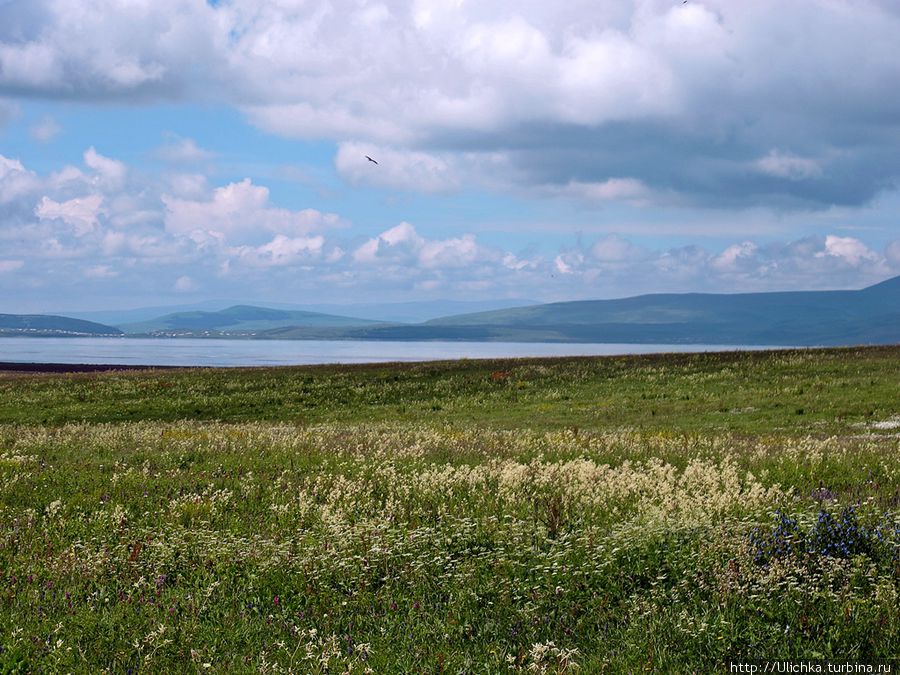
(654, 513)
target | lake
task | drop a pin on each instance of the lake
(199, 352)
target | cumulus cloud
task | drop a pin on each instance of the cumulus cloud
(64, 227)
(514, 262)
(241, 210)
(15, 180)
(406, 170)
(403, 245)
(109, 173)
(847, 249)
(614, 248)
(614, 266)
(566, 263)
(147, 50)
(279, 252)
(81, 213)
(616, 101)
(736, 255)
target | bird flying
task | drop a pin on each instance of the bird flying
(371, 160)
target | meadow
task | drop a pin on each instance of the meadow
(614, 514)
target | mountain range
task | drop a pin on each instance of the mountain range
(867, 316)
(49, 325)
(241, 320)
(391, 312)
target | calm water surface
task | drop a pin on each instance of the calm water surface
(198, 352)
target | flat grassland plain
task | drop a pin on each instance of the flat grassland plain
(617, 514)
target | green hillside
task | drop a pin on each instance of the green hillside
(868, 316)
(40, 325)
(240, 319)
(871, 315)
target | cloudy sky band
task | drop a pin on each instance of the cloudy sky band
(183, 148)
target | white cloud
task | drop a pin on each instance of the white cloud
(645, 85)
(45, 130)
(892, 253)
(405, 170)
(568, 262)
(786, 165)
(454, 252)
(625, 269)
(614, 248)
(241, 210)
(127, 210)
(66, 177)
(367, 252)
(104, 49)
(402, 234)
(234, 238)
(847, 249)
(110, 172)
(734, 255)
(403, 245)
(281, 251)
(15, 180)
(185, 284)
(188, 185)
(513, 262)
(80, 213)
(611, 76)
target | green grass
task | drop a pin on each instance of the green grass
(475, 516)
(806, 391)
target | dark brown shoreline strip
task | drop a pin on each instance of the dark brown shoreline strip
(75, 367)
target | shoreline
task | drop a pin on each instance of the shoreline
(18, 367)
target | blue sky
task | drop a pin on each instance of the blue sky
(180, 150)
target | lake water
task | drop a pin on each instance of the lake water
(198, 352)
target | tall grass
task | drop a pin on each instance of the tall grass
(408, 548)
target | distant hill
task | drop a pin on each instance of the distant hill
(240, 319)
(118, 317)
(46, 325)
(385, 312)
(867, 316)
(871, 315)
(416, 312)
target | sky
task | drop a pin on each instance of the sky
(178, 151)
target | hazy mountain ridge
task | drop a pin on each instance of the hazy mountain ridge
(388, 312)
(48, 325)
(867, 316)
(795, 317)
(240, 319)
